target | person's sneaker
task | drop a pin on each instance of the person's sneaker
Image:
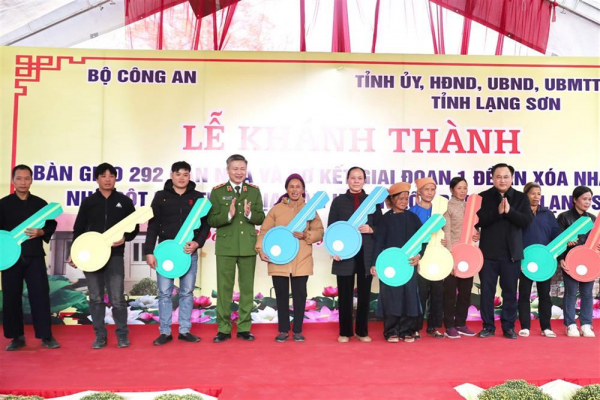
(587, 331)
(509, 334)
(364, 339)
(548, 333)
(16, 344)
(343, 339)
(452, 333)
(122, 341)
(434, 333)
(463, 330)
(99, 343)
(484, 333)
(162, 339)
(524, 332)
(298, 337)
(282, 337)
(50, 343)
(188, 337)
(572, 331)
(416, 335)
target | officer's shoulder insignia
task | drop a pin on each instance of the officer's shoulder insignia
(220, 186)
(253, 185)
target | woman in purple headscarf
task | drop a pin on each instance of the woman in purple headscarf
(298, 270)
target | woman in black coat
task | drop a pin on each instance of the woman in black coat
(342, 209)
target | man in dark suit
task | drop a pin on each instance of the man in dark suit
(504, 213)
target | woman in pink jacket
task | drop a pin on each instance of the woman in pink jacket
(457, 291)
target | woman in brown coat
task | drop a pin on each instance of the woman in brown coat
(298, 270)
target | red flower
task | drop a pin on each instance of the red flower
(330, 291)
(497, 301)
(191, 202)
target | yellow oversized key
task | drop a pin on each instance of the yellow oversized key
(437, 262)
(91, 251)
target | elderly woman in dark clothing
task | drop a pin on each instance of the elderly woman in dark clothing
(342, 208)
(400, 306)
(542, 230)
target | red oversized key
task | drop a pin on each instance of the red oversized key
(468, 259)
(583, 262)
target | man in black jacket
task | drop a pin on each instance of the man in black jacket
(504, 213)
(98, 213)
(31, 267)
(171, 207)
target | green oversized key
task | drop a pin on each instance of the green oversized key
(10, 242)
(539, 262)
(171, 261)
(393, 266)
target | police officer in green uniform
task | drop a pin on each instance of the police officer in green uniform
(236, 210)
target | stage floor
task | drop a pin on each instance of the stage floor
(319, 368)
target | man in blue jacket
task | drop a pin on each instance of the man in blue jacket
(171, 207)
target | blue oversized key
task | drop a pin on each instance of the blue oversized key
(392, 264)
(539, 262)
(279, 243)
(10, 242)
(172, 262)
(342, 238)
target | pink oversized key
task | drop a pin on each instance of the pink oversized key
(583, 262)
(468, 259)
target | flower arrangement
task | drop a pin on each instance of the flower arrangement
(514, 390)
(590, 392)
(102, 396)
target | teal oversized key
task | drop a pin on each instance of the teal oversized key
(10, 242)
(539, 262)
(172, 262)
(280, 244)
(342, 238)
(392, 265)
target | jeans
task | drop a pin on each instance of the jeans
(110, 276)
(570, 300)
(186, 299)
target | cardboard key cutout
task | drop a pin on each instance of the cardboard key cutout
(280, 244)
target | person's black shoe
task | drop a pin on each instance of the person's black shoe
(245, 335)
(50, 343)
(188, 337)
(510, 334)
(282, 337)
(298, 337)
(221, 337)
(99, 343)
(162, 339)
(16, 344)
(486, 333)
(122, 341)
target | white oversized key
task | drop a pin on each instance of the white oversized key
(91, 251)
